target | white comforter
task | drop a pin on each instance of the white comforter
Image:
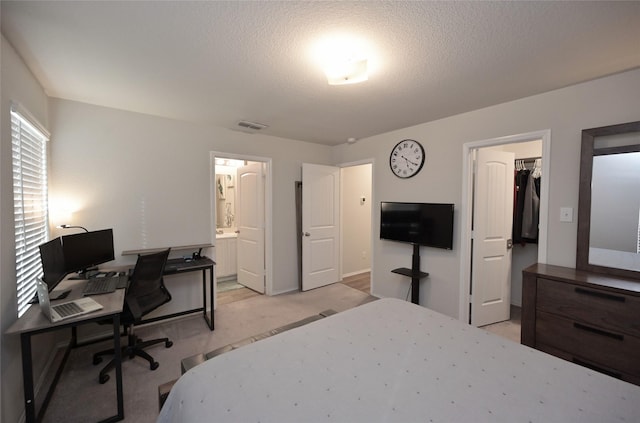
(392, 361)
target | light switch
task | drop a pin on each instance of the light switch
(566, 214)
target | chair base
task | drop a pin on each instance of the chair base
(135, 348)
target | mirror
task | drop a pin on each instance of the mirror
(225, 199)
(609, 206)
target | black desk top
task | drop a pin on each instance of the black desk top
(181, 265)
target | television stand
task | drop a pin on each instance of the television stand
(414, 273)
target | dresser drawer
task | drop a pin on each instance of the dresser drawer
(605, 309)
(594, 344)
(599, 367)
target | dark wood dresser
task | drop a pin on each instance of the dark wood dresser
(588, 318)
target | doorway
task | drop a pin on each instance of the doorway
(470, 296)
(357, 230)
(240, 216)
(346, 254)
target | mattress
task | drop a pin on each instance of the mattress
(393, 361)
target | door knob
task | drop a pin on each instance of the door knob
(307, 234)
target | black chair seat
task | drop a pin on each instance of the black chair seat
(146, 293)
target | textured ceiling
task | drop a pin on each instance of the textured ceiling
(221, 62)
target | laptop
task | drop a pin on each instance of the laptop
(64, 310)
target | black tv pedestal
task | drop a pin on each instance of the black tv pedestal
(414, 273)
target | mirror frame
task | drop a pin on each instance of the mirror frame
(584, 203)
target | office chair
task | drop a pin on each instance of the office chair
(146, 293)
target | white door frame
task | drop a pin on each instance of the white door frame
(466, 206)
(268, 219)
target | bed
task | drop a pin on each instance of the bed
(393, 361)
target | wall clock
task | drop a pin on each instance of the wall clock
(406, 158)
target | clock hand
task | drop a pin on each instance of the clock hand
(409, 161)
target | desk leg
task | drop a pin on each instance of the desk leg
(204, 295)
(118, 358)
(118, 366)
(210, 321)
(211, 292)
(27, 378)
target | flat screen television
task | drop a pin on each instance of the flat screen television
(85, 250)
(428, 224)
(53, 265)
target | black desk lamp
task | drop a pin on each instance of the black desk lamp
(72, 226)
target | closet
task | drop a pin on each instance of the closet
(497, 249)
(526, 207)
(526, 217)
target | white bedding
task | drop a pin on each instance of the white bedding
(392, 361)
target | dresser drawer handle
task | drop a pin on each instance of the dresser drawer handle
(598, 331)
(603, 295)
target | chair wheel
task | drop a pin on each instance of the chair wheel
(103, 379)
(168, 344)
(97, 360)
(154, 365)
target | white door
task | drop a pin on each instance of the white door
(320, 225)
(250, 220)
(492, 223)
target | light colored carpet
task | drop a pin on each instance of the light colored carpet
(80, 398)
(509, 329)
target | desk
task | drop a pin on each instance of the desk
(179, 266)
(33, 322)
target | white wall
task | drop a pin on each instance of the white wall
(356, 219)
(16, 84)
(149, 179)
(565, 112)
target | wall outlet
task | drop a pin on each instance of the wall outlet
(566, 214)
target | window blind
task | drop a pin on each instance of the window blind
(29, 157)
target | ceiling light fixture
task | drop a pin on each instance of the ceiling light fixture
(349, 71)
(343, 57)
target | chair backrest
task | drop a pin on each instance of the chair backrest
(146, 282)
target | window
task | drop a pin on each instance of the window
(29, 147)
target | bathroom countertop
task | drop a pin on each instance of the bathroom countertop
(227, 235)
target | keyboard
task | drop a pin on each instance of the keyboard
(99, 286)
(67, 309)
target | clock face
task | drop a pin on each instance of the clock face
(406, 158)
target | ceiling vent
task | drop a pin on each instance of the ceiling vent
(253, 126)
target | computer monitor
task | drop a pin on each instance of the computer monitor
(53, 263)
(87, 249)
